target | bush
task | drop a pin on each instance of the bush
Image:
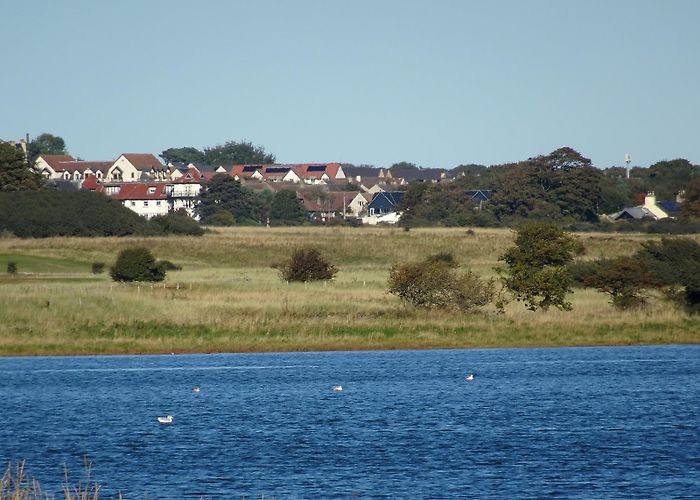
(11, 267)
(442, 258)
(166, 265)
(175, 223)
(221, 218)
(435, 284)
(98, 267)
(306, 264)
(136, 264)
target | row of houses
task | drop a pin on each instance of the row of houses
(148, 187)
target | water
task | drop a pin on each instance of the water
(578, 422)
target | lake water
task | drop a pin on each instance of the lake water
(618, 422)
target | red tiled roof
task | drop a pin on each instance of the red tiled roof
(92, 184)
(139, 191)
(55, 160)
(191, 176)
(141, 161)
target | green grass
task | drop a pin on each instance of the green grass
(228, 298)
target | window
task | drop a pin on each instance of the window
(133, 203)
(151, 189)
(132, 175)
(158, 203)
(145, 203)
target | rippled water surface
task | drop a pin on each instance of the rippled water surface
(587, 423)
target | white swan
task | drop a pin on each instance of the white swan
(469, 377)
(337, 388)
(168, 419)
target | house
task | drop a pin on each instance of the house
(308, 173)
(131, 167)
(331, 205)
(51, 166)
(147, 199)
(385, 202)
(478, 196)
(649, 210)
(358, 204)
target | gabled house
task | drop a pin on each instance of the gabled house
(131, 167)
(51, 166)
(649, 210)
(385, 202)
(147, 199)
(358, 204)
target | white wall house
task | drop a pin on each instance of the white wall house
(132, 167)
(147, 199)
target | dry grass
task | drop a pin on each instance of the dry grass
(227, 298)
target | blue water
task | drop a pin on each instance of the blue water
(577, 422)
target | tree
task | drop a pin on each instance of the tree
(675, 261)
(45, 144)
(667, 178)
(15, 174)
(183, 155)
(562, 184)
(691, 199)
(232, 153)
(223, 192)
(624, 279)
(287, 209)
(137, 264)
(306, 264)
(536, 271)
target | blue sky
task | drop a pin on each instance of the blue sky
(436, 83)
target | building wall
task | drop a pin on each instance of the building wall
(129, 172)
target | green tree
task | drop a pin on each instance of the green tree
(15, 174)
(287, 209)
(624, 279)
(45, 144)
(667, 178)
(536, 267)
(675, 261)
(223, 192)
(237, 153)
(183, 155)
(136, 264)
(691, 199)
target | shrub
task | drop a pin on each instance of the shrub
(306, 264)
(98, 267)
(221, 218)
(175, 223)
(166, 265)
(435, 284)
(442, 258)
(136, 264)
(11, 267)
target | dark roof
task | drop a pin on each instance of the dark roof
(418, 174)
(478, 194)
(386, 199)
(670, 207)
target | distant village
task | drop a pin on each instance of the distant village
(142, 183)
(148, 187)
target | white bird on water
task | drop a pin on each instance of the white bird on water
(337, 388)
(469, 377)
(195, 389)
(168, 419)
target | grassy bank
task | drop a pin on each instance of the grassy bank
(227, 298)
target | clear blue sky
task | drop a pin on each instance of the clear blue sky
(436, 83)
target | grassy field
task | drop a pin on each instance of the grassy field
(227, 298)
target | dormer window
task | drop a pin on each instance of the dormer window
(151, 190)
